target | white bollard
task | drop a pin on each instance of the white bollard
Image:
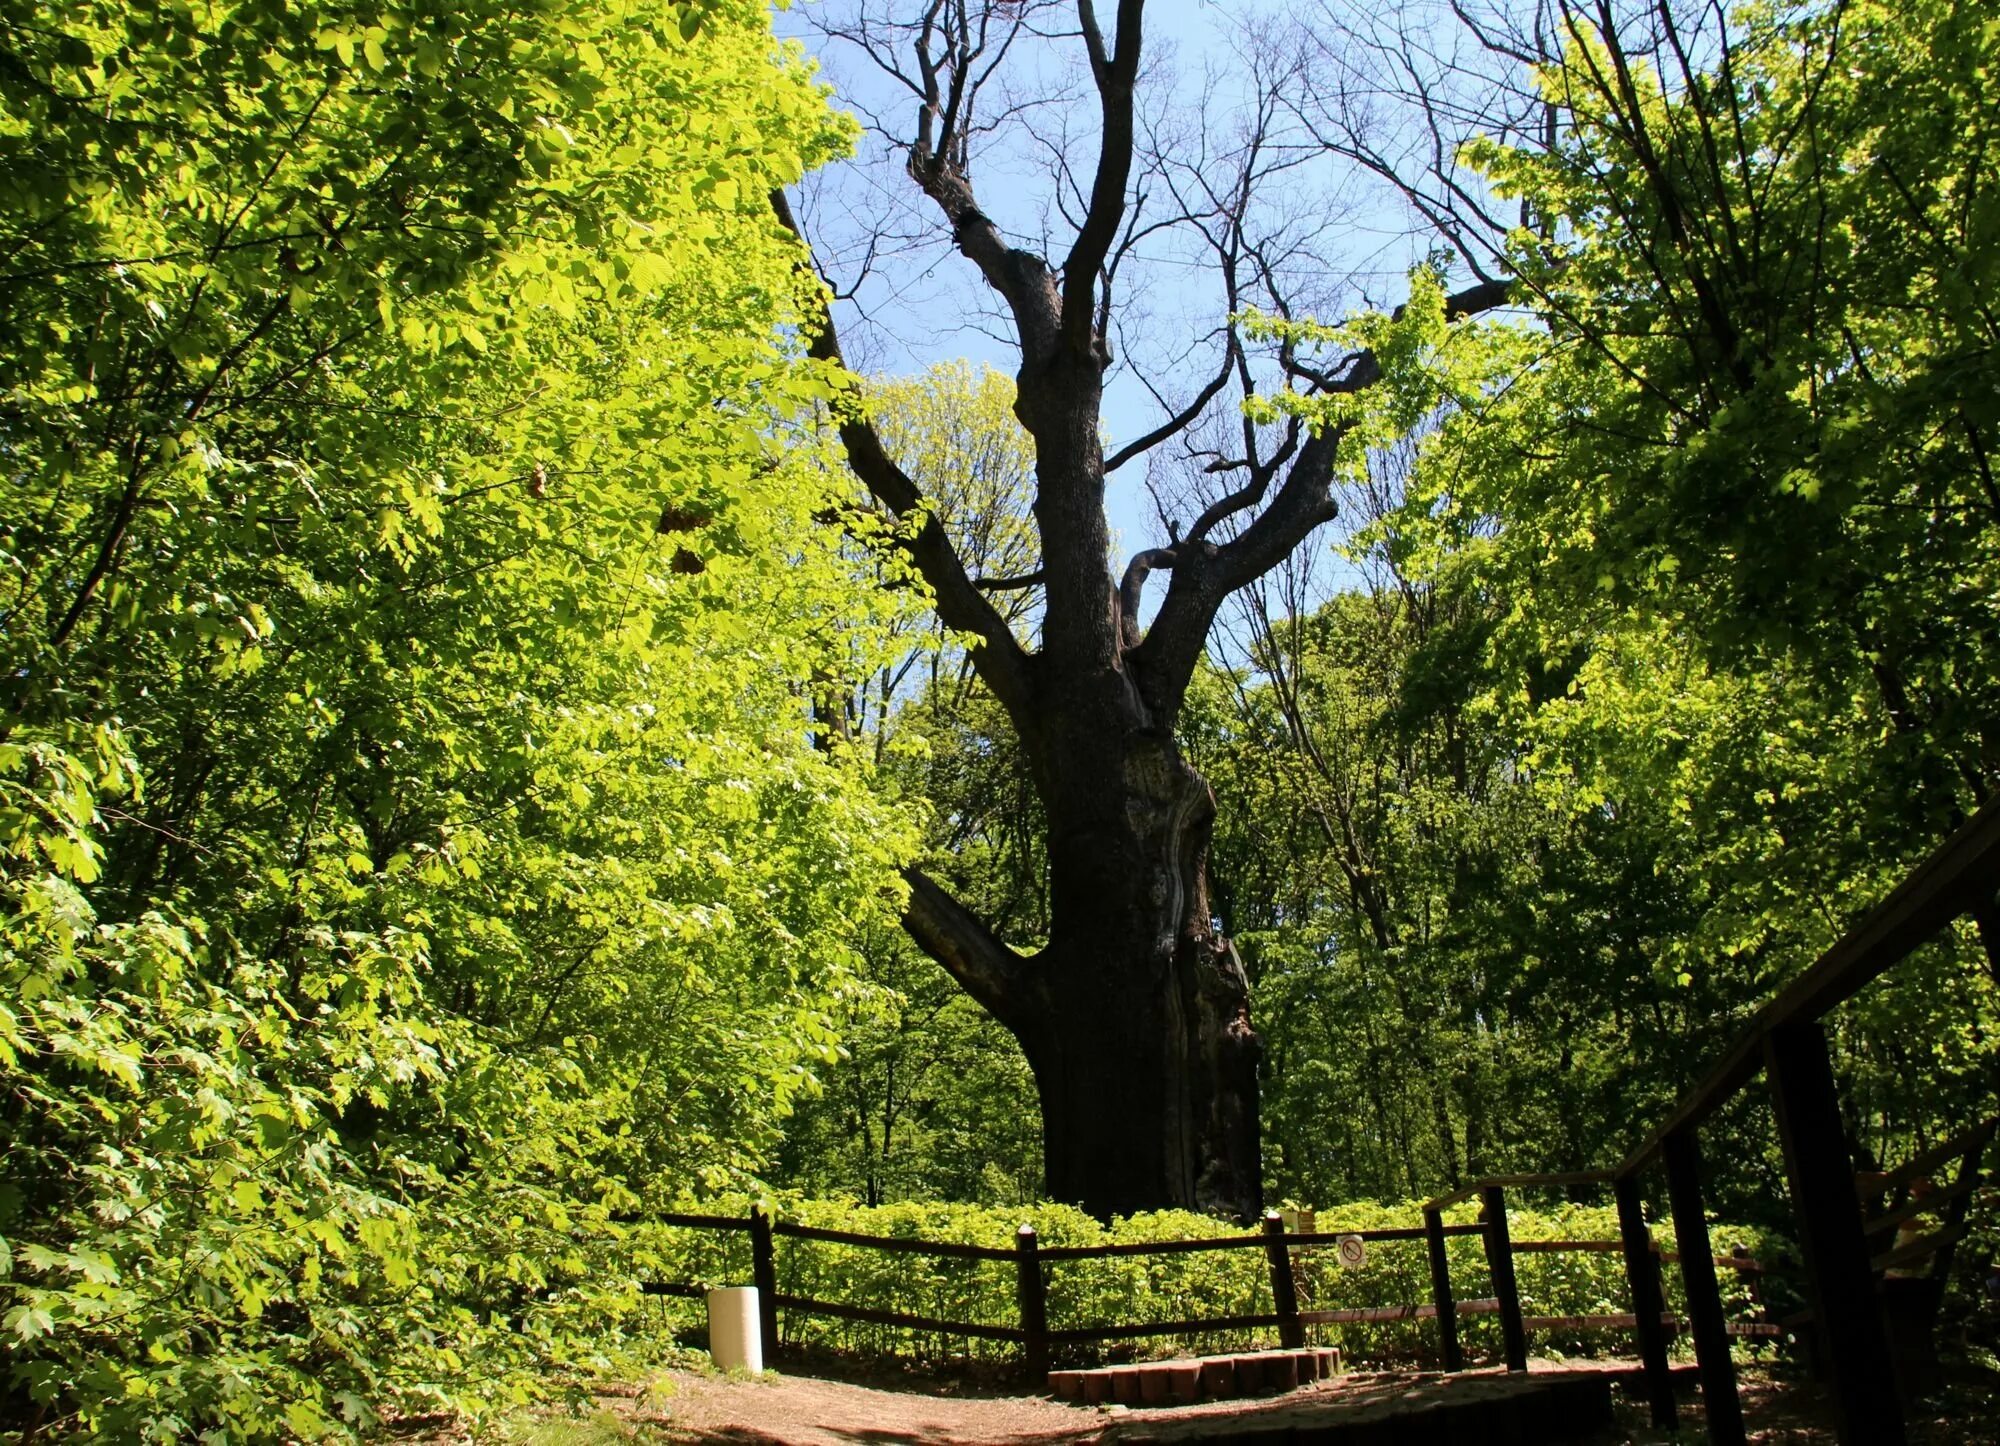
(733, 1337)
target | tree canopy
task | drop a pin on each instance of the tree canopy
(415, 848)
(501, 735)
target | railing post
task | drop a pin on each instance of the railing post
(1642, 1270)
(1032, 1295)
(1682, 1158)
(1840, 1285)
(1284, 1290)
(764, 1275)
(1447, 1309)
(1500, 1261)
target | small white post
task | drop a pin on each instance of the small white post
(733, 1337)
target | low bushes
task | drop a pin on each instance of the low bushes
(1132, 1290)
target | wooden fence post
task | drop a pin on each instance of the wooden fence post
(1682, 1157)
(1031, 1293)
(764, 1275)
(1840, 1285)
(1284, 1290)
(1500, 1261)
(1642, 1270)
(1447, 1309)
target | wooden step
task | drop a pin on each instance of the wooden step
(1186, 1381)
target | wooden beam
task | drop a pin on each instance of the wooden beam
(1500, 1260)
(1284, 1290)
(1840, 1287)
(1642, 1273)
(1031, 1295)
(764, 1274)
(1447, 1318)
(1682, 1158)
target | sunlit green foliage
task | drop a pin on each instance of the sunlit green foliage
(415, 846)
(1677, 652)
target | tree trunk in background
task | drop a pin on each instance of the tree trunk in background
(1139, 1028)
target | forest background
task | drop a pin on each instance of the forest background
(455, 775)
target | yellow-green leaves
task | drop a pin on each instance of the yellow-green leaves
(483, 866)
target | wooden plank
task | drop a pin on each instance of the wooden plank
(1642, 1276)
(1383, 1314)
(1500, 1261)
(1839, 1284)
(1441, 1302)
(1720, 1403)
(1150, 1247)
(1163, 1328)
(949, 1249)
(1552, 1247)
(1741, 1264)
(807, 1306)
(1963, 1143)
(1919, 1205)
(1031, 1295)
(1920, 1249)
(673, 1288)
(698, 1222)
(1284, 1290)
(1396, 1232)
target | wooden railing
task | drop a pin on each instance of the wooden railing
(1786, 1043)
(1032, 1262)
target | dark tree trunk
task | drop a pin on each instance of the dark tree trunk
(1139, 1027)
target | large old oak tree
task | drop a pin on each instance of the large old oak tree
(1135, 1015)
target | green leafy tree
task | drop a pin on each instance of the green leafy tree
(414, 846)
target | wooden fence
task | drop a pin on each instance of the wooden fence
(1032, 1262)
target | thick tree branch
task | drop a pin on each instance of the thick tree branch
(1133, 588)
(971, 953)
(1205, 573)
(1009, 584)
(1115, 75)
(998, 658)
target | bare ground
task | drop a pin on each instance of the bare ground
(691, 1408)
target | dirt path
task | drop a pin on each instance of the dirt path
(803, 1411)
(779, 1410)
(691, 1408)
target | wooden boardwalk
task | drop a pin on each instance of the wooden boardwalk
(1489, 1407)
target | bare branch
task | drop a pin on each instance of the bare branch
(1174, 424)
(999, 658)
(1114, 75)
